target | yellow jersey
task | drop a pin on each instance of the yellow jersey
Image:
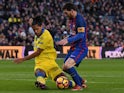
(45, 42)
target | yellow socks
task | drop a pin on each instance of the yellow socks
(41, 80)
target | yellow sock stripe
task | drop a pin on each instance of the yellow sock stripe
(41, 80)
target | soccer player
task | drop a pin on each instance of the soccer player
(44, 54)
(77, 39)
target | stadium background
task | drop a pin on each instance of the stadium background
(105, 27)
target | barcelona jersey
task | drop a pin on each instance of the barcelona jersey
(77, 39)
(77, 32)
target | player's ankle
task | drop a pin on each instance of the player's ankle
(72, 83)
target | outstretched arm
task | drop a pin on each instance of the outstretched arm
(75, 38)
(33, 55)
(70, 39)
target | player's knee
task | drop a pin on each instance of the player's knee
(40, 72)
(68, 64)
(66, 67)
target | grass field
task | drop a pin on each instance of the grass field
(103, 76)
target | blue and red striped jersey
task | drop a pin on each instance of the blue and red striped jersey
(77, 36)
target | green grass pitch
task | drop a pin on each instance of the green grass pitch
(103, 76)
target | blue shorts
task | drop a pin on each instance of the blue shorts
(78, 55)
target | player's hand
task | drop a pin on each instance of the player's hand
(18, 60)
(62, 42)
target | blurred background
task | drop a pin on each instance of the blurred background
(105, 24)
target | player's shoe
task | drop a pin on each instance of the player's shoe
(77, 88)
(84, 83)
(40, 85)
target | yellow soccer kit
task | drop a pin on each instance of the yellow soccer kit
(46, 60)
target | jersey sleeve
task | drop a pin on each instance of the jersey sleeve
(75, 38)
(81, 26)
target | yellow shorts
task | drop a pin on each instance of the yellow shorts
(50, 67)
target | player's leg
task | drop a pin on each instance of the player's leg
(74, 60)
(71, 64)
(40, 82)
(67, 56)
(55, 72)
(69, 68)
(83, 81)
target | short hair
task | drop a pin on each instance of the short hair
(38, 20)
(69, 6)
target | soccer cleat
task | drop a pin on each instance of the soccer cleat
(77, 88)
(40, 85)
(84, 84)
(84, 81)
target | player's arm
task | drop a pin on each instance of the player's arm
(33, 55)
(70, 39)
(81, 31)
(81, 26)
(74, 38)
(78, 36)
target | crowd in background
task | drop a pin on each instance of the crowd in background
(105, 21)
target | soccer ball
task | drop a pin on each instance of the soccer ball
(62, 82)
